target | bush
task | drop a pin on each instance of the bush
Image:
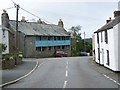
(12, 56)
(7, 56)
(18, 55)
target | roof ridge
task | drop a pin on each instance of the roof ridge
(109, 25)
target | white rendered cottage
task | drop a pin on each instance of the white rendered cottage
(107, 43)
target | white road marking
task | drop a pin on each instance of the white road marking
(111, 79)
(66, 73)
(67, 65)
(40, 64)
(67, 62)
(65, 83)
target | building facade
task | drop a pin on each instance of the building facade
(107, 43)
(93, 46)
(38, 39)
(7, 34)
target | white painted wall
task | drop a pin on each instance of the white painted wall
(96, 49)
(112, 46)
(93, 46)
(101, 47)
(6, 41)
(116, 46)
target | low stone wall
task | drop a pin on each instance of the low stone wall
(18, 61)
(10, 63)
(6, 64)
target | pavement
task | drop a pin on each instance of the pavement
(17, 73)
(105, 71)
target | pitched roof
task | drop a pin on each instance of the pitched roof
(109, 25)
(33, 28)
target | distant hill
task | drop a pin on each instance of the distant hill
(89, 40)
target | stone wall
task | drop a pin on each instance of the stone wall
(31, 52)
(9, 63)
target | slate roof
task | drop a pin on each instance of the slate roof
(34, 28)
(109, 25)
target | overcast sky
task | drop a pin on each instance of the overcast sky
(90, 14)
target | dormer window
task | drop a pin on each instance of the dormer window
(3, 33)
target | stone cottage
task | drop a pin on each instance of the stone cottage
(35, 39)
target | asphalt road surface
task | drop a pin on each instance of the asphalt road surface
(65, 72)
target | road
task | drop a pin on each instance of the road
(66, 72)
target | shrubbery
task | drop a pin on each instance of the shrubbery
(12, 56)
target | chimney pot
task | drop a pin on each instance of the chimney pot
(5, 19)
(116, 14)
(107, 21)
(23, 19)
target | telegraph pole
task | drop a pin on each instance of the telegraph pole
(84, 43)
(17, 9)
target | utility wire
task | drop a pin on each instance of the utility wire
(34, 15)
(30, 12)
(7, 8)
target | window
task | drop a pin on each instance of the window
(3, 33)
(55, 38)
(99, 54)
(101, 37)
(106, 36)
(59, 47)
(98, 38)
(55, 48)
(38, 37)
(38, 48)
(108, 61)
(48, 37)
(63, 47)
(43, 48)
(67, 38)
(63, 37)
(49, 48)
(59, 38)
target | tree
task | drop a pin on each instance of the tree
(74, 30)
(78, 45)
(76, 36)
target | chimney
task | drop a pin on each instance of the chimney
(60, 23)
(5, 19)
(23, 19)
(107, 21)
(116, 14)
(39, 21)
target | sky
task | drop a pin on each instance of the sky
(89, 14)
